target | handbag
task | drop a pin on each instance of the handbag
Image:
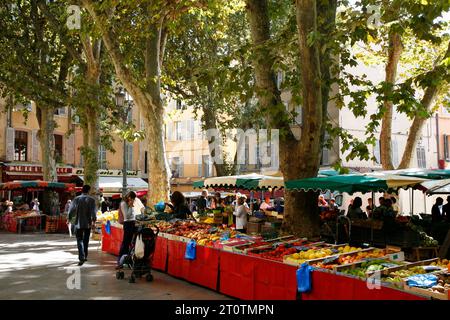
(139, 247)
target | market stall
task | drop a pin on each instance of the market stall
(251, 267)
(20, 216)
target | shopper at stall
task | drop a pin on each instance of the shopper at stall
(83, 214)
(436, 210)
(395, 206)
(370, 208)
(180, 209)
(129, 224)
(265, 206)
(355, 212)
(378, 212)
(241, 213)
(202, 203)
(35, 205)
(322, 204)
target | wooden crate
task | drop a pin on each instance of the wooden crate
(51, 224)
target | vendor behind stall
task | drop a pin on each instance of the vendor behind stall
(355, 212)
(180, 209)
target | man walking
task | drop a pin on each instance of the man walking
(83, 214)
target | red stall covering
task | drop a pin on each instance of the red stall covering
(327, 286)
(204, 270)
(253, 278)
(160, 256)
(274, 281)
(236, 275)
(178, 265)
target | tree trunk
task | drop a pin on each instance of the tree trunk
(91, 164)
(395, 51)
(209, 119)
(91, 134)
(158, 173)
(416, 129)
(298, 159)
(50, 203)
(418, 122)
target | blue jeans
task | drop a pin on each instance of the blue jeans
(82, 242)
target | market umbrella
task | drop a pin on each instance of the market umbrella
(437, 186)
(35, 184)
(252, 181)
(351, 183)
(247, 181)
(423, 173)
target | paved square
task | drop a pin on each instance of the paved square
(40, 266)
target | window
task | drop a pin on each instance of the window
(205, 166)
(101, 157)
(20, 146)
(60, 111)
(446, 147)
(421, 158)
(129, 150)
(325, 159)
(279, 79)
(179, 106)
(190, 124)
(58, 148)
(23, 106)
(178, 131)
(176, 166)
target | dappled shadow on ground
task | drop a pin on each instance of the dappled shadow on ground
(43, 266)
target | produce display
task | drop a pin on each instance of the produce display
(278, 250)
(400, 275)
(443, 285)
(108, 216)
(426, 240)
(317, 253)
(344, 259)
(370, 266)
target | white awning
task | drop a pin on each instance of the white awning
(114, 184)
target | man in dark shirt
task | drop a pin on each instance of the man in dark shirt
(202, 203)
(83, 214)
(436, 210)
(446, 210)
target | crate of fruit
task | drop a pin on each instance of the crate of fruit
(439, 291)
(368, 267)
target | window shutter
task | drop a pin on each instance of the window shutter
(169, 129)
(446, 148)
(10, 134)
(34, 147)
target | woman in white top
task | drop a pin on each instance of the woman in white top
(241, 212)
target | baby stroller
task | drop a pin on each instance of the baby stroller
(143, 266)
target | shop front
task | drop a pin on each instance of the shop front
(19, 171)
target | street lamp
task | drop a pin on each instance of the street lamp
(124, 107)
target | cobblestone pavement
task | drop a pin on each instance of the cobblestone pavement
(44, 266)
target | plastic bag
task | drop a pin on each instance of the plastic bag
(304, 278)
(108, 227)
(422, 280)
(190, 250)
(139, 248)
